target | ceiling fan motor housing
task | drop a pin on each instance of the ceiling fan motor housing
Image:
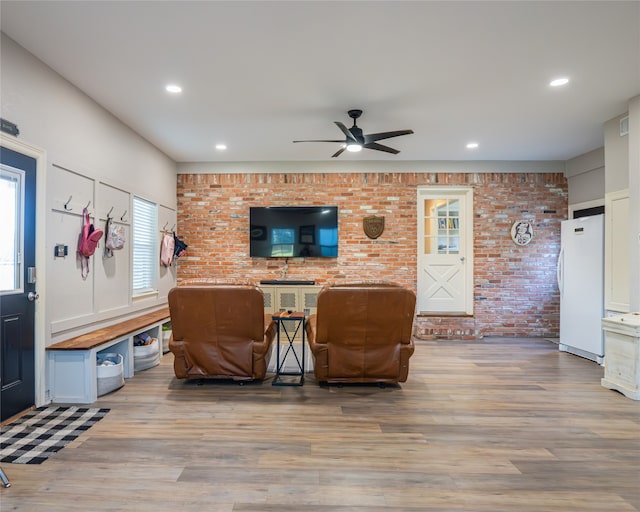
(357, 134)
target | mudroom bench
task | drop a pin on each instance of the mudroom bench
(72, 368)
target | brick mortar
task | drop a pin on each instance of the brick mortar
(515, 293)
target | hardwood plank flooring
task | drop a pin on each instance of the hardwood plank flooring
(494, 425)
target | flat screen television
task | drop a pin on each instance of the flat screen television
(293, 232)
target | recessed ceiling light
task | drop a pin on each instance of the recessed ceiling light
(559, 82)
(221, 147)
(472, 145)
(173, 88)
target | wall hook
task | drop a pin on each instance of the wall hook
(165, 226)
(109, 214)
(66, 205)
(88, 204)
(173, 228)
(122, 218)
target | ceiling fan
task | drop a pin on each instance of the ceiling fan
(355, 140)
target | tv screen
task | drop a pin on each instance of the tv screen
(293, 232)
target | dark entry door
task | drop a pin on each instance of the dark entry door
(17, 282)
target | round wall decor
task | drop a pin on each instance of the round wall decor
(522, 232)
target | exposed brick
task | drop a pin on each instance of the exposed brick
(515, 293)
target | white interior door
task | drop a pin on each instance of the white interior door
(445, 250)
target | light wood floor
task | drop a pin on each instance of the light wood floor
(500, 425)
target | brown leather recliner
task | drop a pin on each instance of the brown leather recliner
(362, 332)
(220, 331)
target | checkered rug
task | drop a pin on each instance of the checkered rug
(37, 435)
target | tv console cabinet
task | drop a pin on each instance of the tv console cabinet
(283, 295)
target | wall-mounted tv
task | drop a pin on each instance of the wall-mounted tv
(293, 232)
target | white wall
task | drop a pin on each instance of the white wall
(634, 199)
(616, 156)
(622, 161)
(90, 156)
(76, 132)
(586, 177)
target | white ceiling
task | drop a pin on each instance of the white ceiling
(257, 75)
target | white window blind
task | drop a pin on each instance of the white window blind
(145, 246)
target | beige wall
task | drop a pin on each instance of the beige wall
(586, 177)
(616, 156)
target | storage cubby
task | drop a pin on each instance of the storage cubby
(72, 370)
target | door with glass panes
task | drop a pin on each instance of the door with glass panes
(17, 282)
(445, 250)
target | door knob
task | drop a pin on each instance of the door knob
(462, 259)
(33, 296)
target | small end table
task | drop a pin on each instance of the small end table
(282, 319)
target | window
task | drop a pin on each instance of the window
(282, 240)
(328, 242)
(10, 241)
(145, 246)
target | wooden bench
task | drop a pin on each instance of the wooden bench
(72, 373)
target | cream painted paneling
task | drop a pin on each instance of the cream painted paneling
(617, 252)
(113, 274)
(70, 298)
(633, 144)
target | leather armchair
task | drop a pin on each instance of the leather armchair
(362, 332)
(220, 331)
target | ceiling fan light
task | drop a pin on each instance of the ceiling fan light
(354, 148)
(173, 89)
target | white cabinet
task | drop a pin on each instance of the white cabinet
(622, 349)
(291, 298)
(617, 253)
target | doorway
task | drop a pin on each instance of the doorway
(445, 251)
(17, 282)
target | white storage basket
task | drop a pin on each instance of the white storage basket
(166, 336)
(146, 356)
(110, 376)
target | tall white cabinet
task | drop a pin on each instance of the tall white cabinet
(617, 277)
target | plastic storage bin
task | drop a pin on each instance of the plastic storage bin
(110, 371)
(146, 356)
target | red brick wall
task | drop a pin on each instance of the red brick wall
(515, 293)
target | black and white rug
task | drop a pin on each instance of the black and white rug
(37, 435)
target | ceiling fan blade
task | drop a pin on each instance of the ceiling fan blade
(338, 141)
(372, 137)
(338, 153)
(346, 131)
(380, 147)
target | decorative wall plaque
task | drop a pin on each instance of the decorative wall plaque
(522, 232)
(373, 226)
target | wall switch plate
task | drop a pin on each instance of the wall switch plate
(60, 250)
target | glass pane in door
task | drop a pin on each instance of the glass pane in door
(10, 254)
